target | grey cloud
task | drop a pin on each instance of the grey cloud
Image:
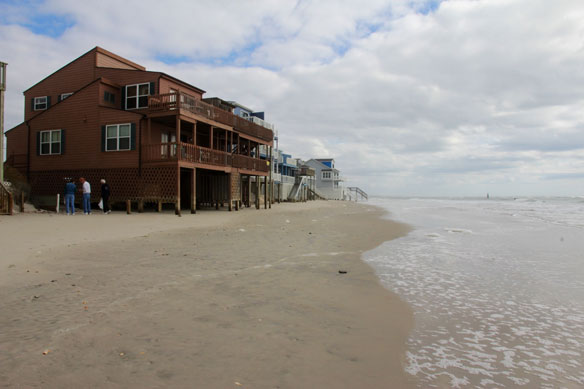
(471, 92)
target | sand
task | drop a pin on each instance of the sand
(248, 299)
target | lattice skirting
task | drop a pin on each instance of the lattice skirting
(152, 185)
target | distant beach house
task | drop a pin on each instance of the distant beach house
(293, 181)
(153, 137)
(329, 182)
(249, 114)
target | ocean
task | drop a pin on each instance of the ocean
(497, 289)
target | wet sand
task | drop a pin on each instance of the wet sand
(214, 300)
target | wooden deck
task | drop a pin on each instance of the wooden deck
(200, 157)
(183, 104)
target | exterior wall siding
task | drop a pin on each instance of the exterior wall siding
(105, 61)
(16, 140)
(82, 123)
(70, 78)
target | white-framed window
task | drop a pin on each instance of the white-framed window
(118, 137)
(326, 175)
(50, 142)
(40, 103)
(65, 95)
(172, 97)
(137, 96)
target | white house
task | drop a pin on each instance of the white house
(329, 183)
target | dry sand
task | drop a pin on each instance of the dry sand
(248, 299)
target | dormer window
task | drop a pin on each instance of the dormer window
(137, 96)
(109, 97)
(40, 103)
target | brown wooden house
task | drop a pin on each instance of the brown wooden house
(151, 136)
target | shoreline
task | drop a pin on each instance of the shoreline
(218, 299)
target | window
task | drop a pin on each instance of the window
(50, 142)
(65, 95)
(109, 97)
(137, 96)
(326, 175)
(118, 137)
(172, 97)
(40, 103)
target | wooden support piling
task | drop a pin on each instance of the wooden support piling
(177, 202)
(128, 207)
(257, 199)
(230, 189)
(248, 191)
(194, 191)
(266, 192)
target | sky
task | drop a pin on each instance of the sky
(410, 97)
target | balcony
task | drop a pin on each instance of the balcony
(186, 152)
(171, 102)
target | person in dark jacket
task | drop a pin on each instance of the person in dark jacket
(70, 190)
(105, 194)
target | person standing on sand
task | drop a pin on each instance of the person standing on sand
(105, 193)
(70, 189)
(86, 196)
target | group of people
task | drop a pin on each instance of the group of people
(71, 190)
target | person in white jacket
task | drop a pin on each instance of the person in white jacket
(86, 196)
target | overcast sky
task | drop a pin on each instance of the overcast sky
(423, 98)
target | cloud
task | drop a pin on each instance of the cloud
(417, 97)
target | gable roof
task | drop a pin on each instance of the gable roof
(320, 163)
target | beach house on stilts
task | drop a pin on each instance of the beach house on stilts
(153, 137)
(329, 182)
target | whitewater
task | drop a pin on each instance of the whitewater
(497, 289)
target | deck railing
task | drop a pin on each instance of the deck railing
(248, 163)
(172, 101)
(179, 151)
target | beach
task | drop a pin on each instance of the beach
(254, 298)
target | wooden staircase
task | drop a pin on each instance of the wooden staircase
(355, 192)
